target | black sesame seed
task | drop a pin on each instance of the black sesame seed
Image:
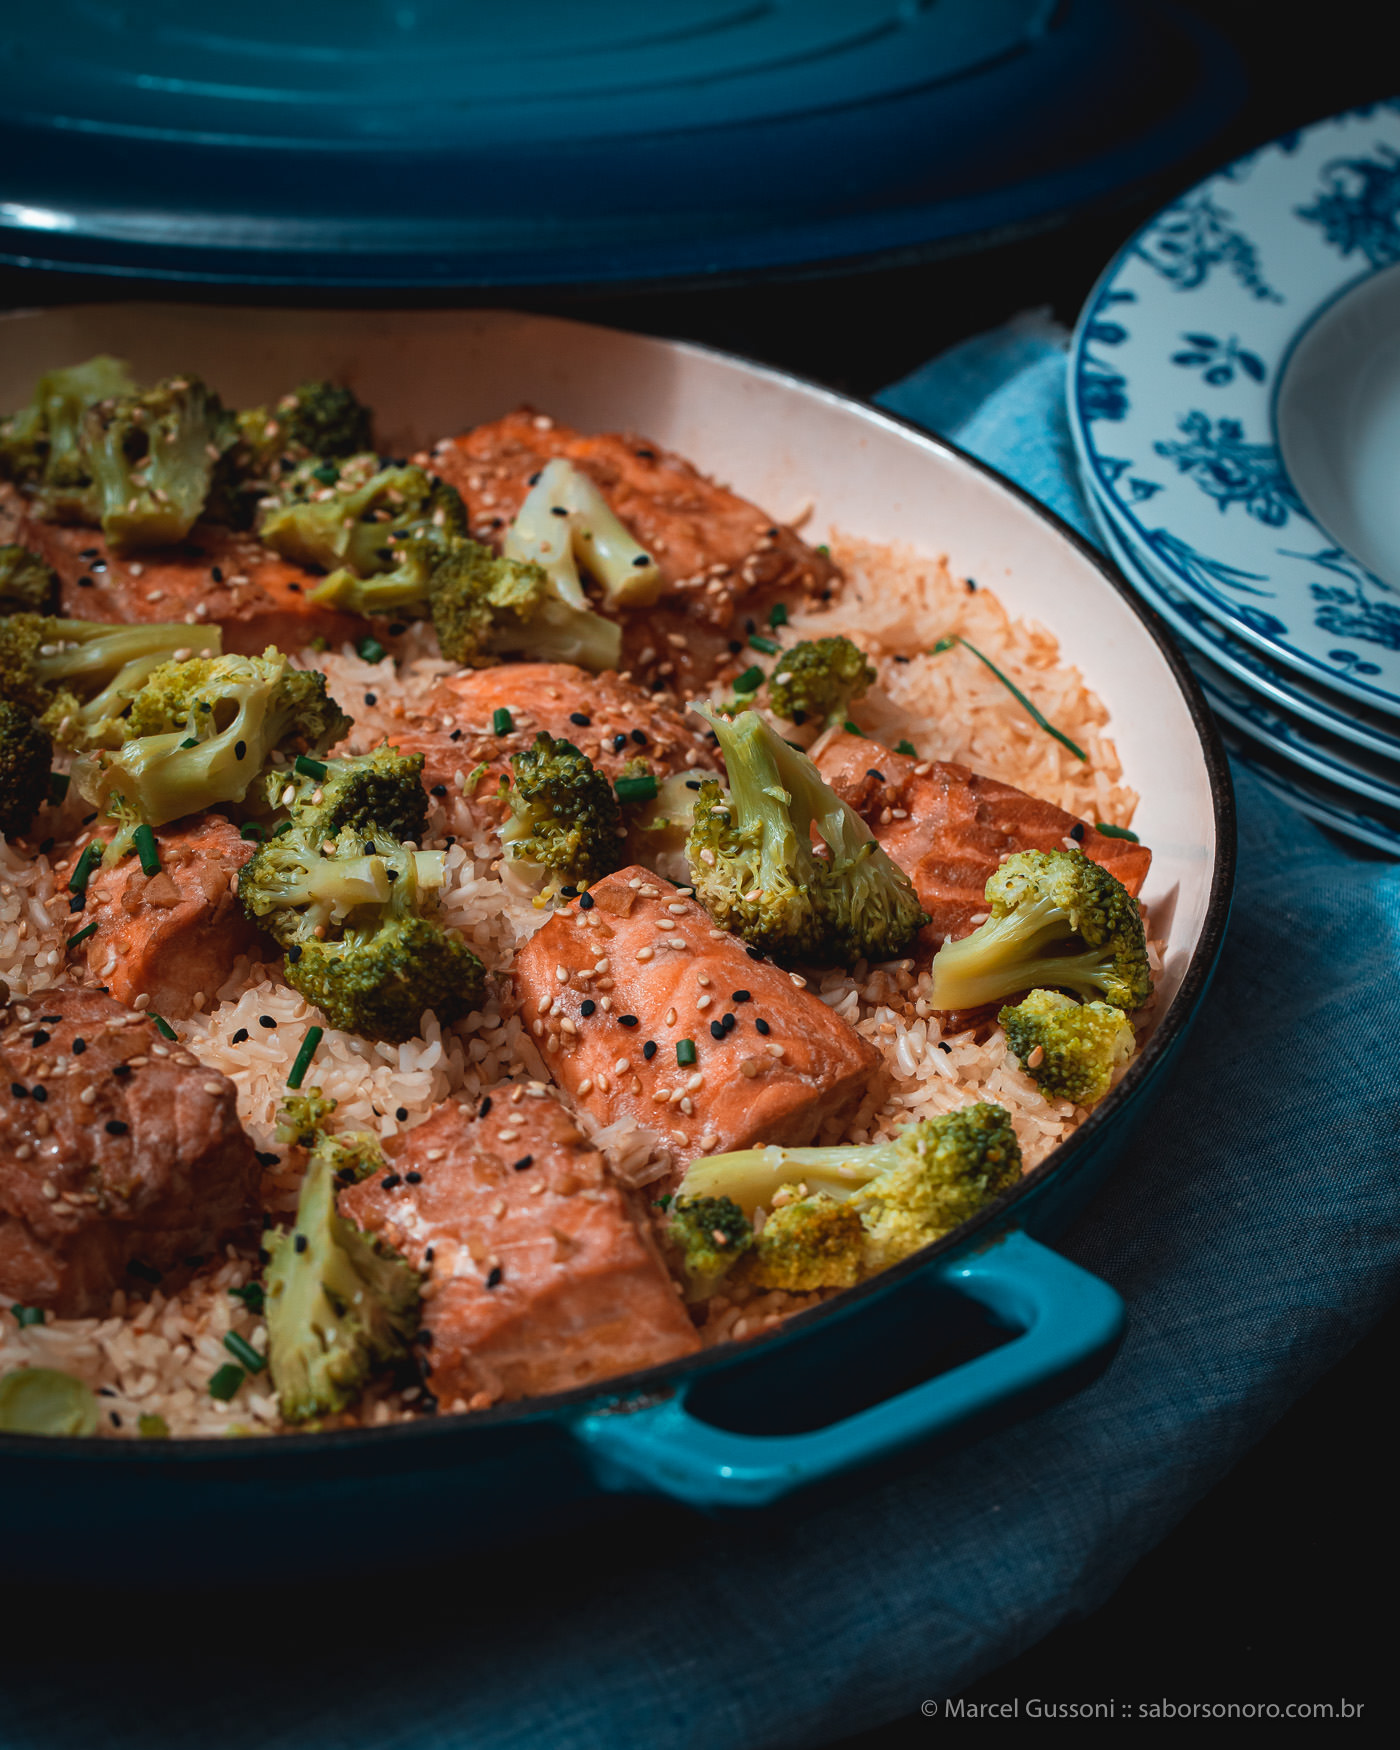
(870, 772)
(85, 582)
(395, 626)
(494, 1279)
(942, 1046)
(587, 1006)
(121, 1070)
(240, 749)
(390, 1182)
(581, 718)
(114, 1418)
(627, 1020)
(19, 1091)
(413, 1178)
(456, 735)
(484, 1107)
(266, 1021)
(642, 559)
(619, 742)
(585, 901)
(729, 1023)
(534, 479)
(716, 1030)
(216, 573)
(640, 737)
(1076, 832)
(299, 1243)
(240, 1037)
(557, 510)
(568, 892)
(116, 1127)
(754, 953)
(371, 698)
(79, 1047)
(428, 1255)
(41, 1037)
(762, 1026)
(439, 790)
(799, 716)
(40, 1092)
(741, 996)
(649, 1050)
(402, 1114)
(735, 646)
(294, 953)
(658, 685)
(524, 1161)
(50, 1020)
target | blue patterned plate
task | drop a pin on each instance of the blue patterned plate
(1322, 802)
(1195, 369)
(1245, 664)
(1288, 739)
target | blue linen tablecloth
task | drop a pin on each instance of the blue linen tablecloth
(1254, 1233)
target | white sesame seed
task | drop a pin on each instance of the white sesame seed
(507, 1135)
(562, 974)
(688, 1106)
(748, 1067)
(695, 1082)
(623, 1063)
(661, 1096)
(645, 954)
(603, 965)
(436, 1154)
(585, 1086)
(88, 1095)
(670, 1018)
(798, 980)
(212, 1087)
(546, 1005)
(703, 1003)
(773, 1050)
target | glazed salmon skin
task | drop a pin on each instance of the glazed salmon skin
(540, 1274)
(722, 559)
(645, 1010)
(607, 718)
(173, 936)
(953, 828)
(216, 577)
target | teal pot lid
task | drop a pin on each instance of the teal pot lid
(569, 142)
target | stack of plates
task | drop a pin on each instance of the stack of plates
(1234, 395)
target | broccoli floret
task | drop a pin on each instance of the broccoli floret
(807, 1244)
(339, 1303)
(1058, 920)
(710, 1234)
(907, 1192)
(566, 522)
(352, 1155)
(1072, 1049)
(383, 789)
(483, 606)
(200, 731)
(301, 1117)
(350, 914)
(151, 459)
(658, 825)
(26, 759)
(756, 871)
(357, 524)
(40, 444)
(565, 825)
(817, 680)
(318, 422)
(78, 676)
(27, 585)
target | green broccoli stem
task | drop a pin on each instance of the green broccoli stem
(1015, 953)
(753, 1176)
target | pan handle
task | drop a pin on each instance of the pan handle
(1066, 1320)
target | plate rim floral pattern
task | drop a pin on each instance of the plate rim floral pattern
(1202, 375)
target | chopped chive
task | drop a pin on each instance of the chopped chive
(152, 1427)
(685, 1052)
(501, 721)
(145, 841)
(190, 741)
(225, 1383)
(83, 868)
(163, 1026)
(640, 789)
(769, 646)
(1021, 699)
(277, 831)
(82, 935)
(907, 747)
(662, 1202)
(251, 1294)
(251, 830)
(778, 615)
(28, 1315)
(824, 550)
(308, 767)
(750, 681)
(370, 650)
(58, 786)
(854, 729)
(313, 1038)
(942, 645)
(242, 1350)
(1116, 832)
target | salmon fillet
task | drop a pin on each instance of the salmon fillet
(216, 577)
(173, 935)
(122, 1160)
(607, 718)
(953, 827)
(643, 965)
(721, 557)
(541, 1277)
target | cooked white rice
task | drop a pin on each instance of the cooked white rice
(156, 1358)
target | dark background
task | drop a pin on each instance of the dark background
(1275, 1585)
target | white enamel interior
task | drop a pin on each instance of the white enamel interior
(782, 443)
